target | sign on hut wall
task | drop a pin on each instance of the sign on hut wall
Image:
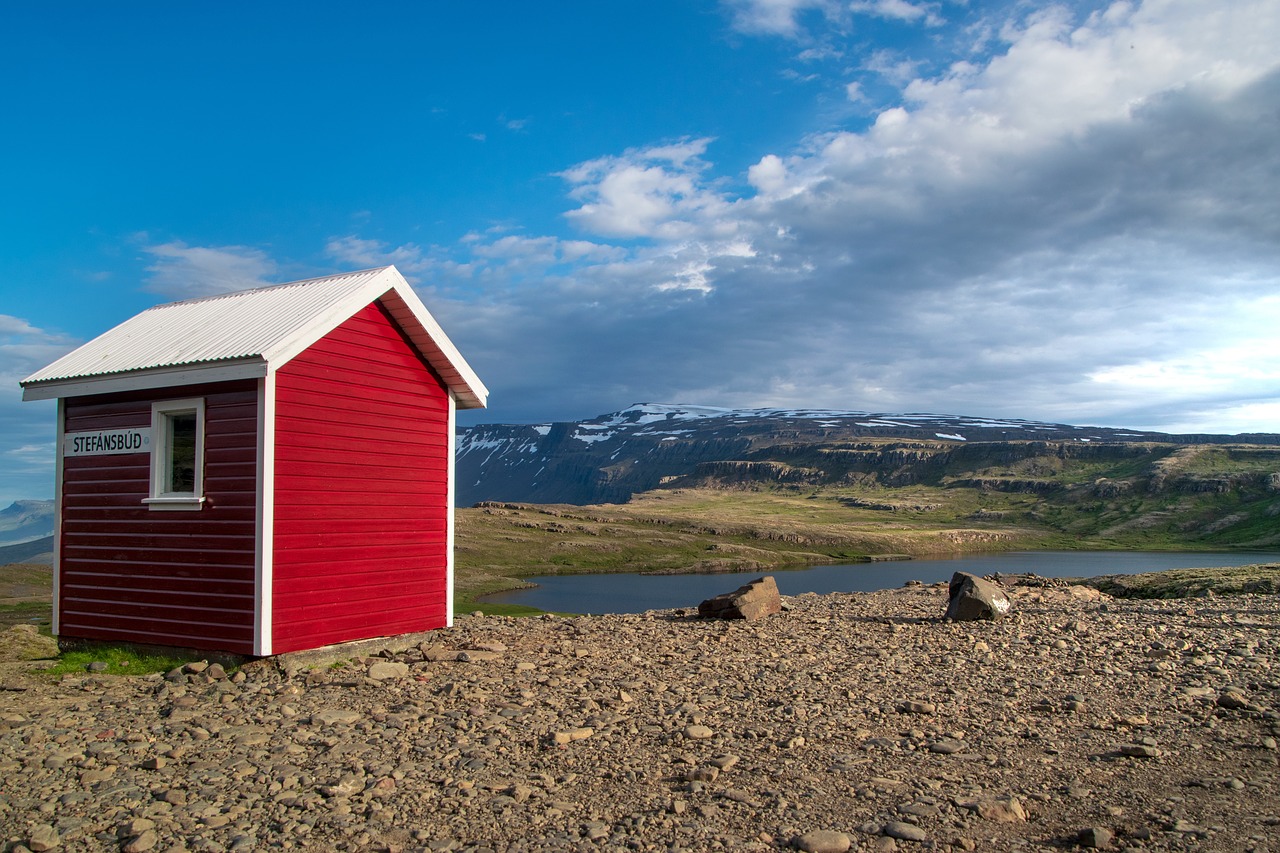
(107, 442)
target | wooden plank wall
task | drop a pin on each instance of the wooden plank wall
(128, 573)
(361, 489)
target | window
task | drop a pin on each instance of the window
(177, 455)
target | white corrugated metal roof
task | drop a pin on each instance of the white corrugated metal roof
(269, 326)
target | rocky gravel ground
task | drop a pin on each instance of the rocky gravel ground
(850, 721)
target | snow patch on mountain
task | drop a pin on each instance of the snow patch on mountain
(26, 521)
(608, 458)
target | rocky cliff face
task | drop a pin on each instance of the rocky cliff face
(609, 458)
(25, 521)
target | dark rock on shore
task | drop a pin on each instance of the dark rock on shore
(754, 600)
(973, 598)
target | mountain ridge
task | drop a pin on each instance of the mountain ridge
(609, 458)
(25, 521)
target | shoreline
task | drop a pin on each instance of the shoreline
(1265, 569)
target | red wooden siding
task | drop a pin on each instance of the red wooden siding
(361, 489)
(128, 573)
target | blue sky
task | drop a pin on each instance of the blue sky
(1057, 211)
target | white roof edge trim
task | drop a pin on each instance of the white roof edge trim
(140, 380)
(220, 327)
(248, 334)
(285, 349)
(431, 341)
(473, 394)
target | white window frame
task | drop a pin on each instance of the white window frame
(161, 461)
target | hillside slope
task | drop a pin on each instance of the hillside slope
(25, 521)
(612, 457)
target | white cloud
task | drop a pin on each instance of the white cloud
(891, 65)
(26, 429)
(648, 192)
(777, 17)
(690, 267)
(183, 272)
(541, 253)
(366, 254)
(25, 348)
(16, 327)
(899, 10)
(769, 176)
(1210, 383)
(1079, 224)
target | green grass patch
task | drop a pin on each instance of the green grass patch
(1258, 579)
(493, 608)
(39, 613)
(119, 660)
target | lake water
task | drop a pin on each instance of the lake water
(636, 593)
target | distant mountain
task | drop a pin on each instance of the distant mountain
(25, 521)
(39, 551)
(609, 458)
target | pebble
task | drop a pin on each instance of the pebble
(823, 841)
(913, 707)
(42, 837)
(144, 841)
(904, 831)
(384, 670)
(1095, 837)
(571, 735)
(703, 736)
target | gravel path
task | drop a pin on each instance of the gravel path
(851, 721)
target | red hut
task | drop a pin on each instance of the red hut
(259, 472)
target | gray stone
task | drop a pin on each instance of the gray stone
(973, 599)
(137, 826)
(911, 706)
(571, 735)
(384, 670)
(329, 716)
(904, 831)
(751, 601)
(1003, 810)
(1234, 701)
(43, 837)
(823, 841)
(141, 843)
(1096, 837)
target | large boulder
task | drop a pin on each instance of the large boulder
(755, 600)
(25, 642)
(974, 599)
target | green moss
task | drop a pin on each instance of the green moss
(1262, 579)
(490, 608)
(120, 660)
